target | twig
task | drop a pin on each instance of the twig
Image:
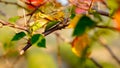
(2, 13)
(91, 4)
(103, 1)
(103, 13)
(59, 26)
(26, 47)
(12, 25)
(106, 27)
(61, 37)
(58, 51)
(103, 42)
(36, 8)
(96, 63)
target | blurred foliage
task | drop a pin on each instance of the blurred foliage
(37, 58)
(86, 18)
(73, 61)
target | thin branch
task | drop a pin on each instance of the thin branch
(106, 27)
(2, 13)
(96, 63)
(12, 25)
(103, 13)
(104, 2)
(36, 8)
(61, 37)
(26, 47)
(58, 51)
(59, 26)
(103, 42)
(91, 4)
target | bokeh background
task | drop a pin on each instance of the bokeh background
(57, 54)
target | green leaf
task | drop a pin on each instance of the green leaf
(42, 42)
(39, 40)
(14, 19)
(18, 36)
(72, 15)
(50, 25)
(35, 38)
(72, 12)
(82, 25)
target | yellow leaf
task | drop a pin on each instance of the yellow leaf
(74, 21)
(79, 44)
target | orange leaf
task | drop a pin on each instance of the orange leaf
(79, 44)
(117, 19)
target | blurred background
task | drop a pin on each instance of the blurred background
(57, 54)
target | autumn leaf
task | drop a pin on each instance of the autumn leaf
(80, 45)
(74, 21)
(79, 11)
(117, 19)
(32, 4)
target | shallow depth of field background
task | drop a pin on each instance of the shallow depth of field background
(47, 57)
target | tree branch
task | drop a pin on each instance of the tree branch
(12, 25)
(58, 51)
(96, 63)
(103, 42)
(106, 27)
(59, 26)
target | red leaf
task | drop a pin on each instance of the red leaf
(79, 11)
(34, 3)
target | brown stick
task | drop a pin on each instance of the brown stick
(12, 25)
